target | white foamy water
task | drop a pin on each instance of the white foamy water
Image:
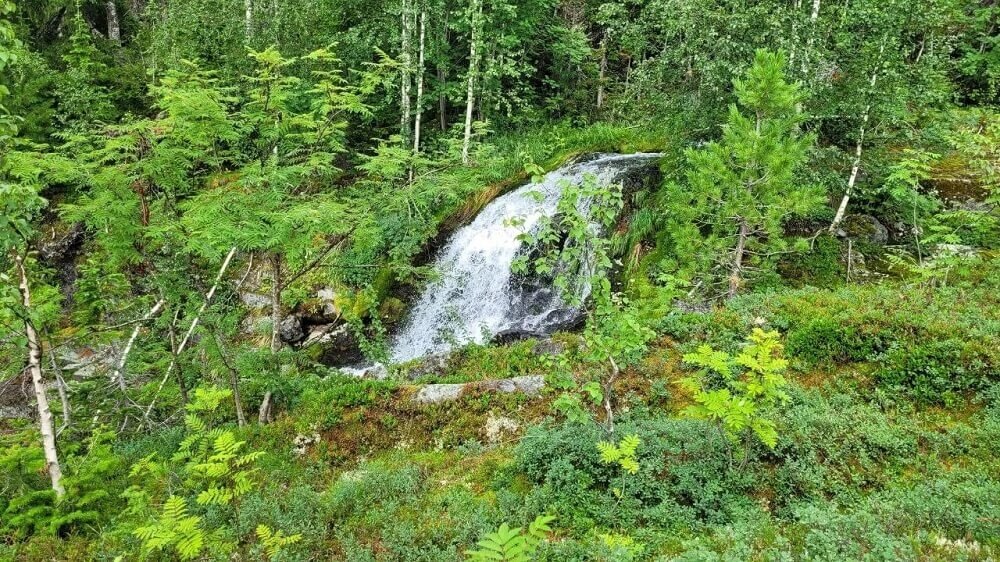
(476, 295)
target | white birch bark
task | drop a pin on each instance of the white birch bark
(856, 166)
(420, 87)
(114, 27)
(470, 99)
(191, 328)
(41, 399)
(118, 376)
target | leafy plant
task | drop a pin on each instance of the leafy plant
(737, 393)
(512, 545)
(275, 541)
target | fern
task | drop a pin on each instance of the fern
(274, 541)
(512, 545)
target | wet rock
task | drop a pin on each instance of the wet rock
(864, 228)
(436, 393)
(291, 330)
(434, 364)
(336, 344)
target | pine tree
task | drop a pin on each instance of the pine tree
(740, 190)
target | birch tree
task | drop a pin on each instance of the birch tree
(475, 26)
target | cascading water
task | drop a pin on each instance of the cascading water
(477, 295)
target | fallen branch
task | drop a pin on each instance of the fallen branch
(119, 373)
(190, 331)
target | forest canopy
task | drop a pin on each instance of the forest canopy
(777, 334)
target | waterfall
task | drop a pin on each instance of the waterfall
(476, 295)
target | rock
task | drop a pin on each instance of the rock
(548, 346)
(337, 345)
(496, 427)
(436, 393)
(327, 298)
(16, 398)
(956, 250)
(433, 364)
(255, 300)
(864, 228)
(290, 330)
(86, 362)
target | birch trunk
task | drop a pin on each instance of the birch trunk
(442, 77)
(406, 83)
(275, 303)
(114, 27)
(470, 99)
(603, 71)
(118, 376)
(41, 399)
(247, 20)
(191, 328)
(420, 87)
(842, 208)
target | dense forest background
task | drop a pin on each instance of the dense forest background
(791, 348)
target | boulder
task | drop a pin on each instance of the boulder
(337, 346)
(865, 228)
(291, 330)
(436, 393)
(433, 364)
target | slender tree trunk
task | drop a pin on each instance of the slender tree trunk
(470, 99)
(118, 376)
(736, 274)
(406, 82)
(275, 302)
(264, 414)
(114, 27)
(234, 380)
(842, 208)
(175, 353)
(603, 70)
(41, 399)
(191, 328)
(442, 77)
(247, 21)
(420, 88)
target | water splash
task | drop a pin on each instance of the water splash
(477, 295)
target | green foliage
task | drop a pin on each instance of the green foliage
(752, 384)
(622, 454)
(512, 545)
(275, 541)
(740, 190)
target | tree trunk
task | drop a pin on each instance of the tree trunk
(603, 71)
(842, 209)
(190, 330)
(735, 275)
(406, 83)
(442, 77)
(264, 414)
(114, 27)
(420, 88)
(118, 376)
(234, 380)
(247, 21)
(41, 399)
(470, 99)
(275, 302)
